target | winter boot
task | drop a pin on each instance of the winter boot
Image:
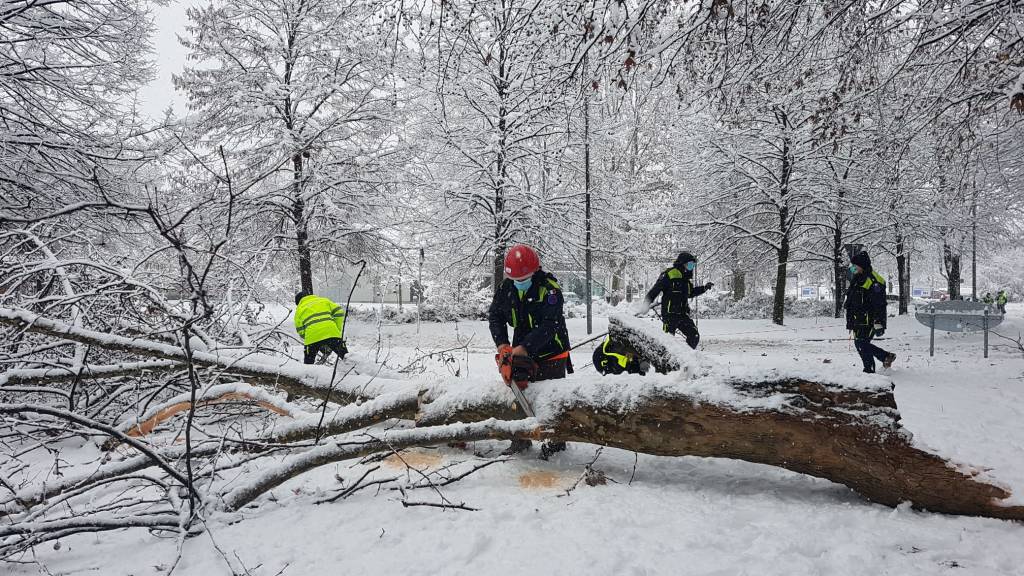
(889, 359)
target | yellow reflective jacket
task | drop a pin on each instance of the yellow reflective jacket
(317, 318)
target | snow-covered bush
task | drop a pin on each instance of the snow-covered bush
(759, 306)
(471, 306)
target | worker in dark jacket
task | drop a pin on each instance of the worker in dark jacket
(530, 301)
(865, 311)
(676, 288)
(616, 355)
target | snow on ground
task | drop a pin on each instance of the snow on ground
(659, 515)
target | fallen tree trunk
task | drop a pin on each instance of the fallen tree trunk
(867, 452)
(842, 429)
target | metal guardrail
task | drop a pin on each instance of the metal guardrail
(957, 316)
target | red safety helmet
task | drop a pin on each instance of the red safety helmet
(520, 262)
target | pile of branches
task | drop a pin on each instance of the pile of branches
(231, 417)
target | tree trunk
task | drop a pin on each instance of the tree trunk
(951, 260)
(879, 463)
(838, 267)
(903, 272)
(739, 284)
(501, 169)
(779, 304)
(301, 226)
(619, 288)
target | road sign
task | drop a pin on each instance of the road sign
(957, 316)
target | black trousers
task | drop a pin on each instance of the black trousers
(868, 352)
(336, 345)
(685, 325)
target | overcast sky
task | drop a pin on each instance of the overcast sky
(170, 58)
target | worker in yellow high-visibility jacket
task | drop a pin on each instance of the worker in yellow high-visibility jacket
(320, 324)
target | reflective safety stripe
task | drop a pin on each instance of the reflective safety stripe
(302, 329)
(674, 274)
(529, 319)
(514, 320)
(558, 341)
(872, 280)
(620, 358)
(312, 319)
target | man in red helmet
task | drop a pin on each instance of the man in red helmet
(530, 300)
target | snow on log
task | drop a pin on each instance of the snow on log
(67, 374)
(339, 420)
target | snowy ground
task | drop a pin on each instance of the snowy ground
(677, 515)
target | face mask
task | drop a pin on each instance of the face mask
(523, 284)
(691, 266)
(851, 272)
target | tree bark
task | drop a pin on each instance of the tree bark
(847, 436)
(903, 272)
(501, 168)
(951, 260)
(779, 304)
(301, 226)
(739, 284)
(838, 267)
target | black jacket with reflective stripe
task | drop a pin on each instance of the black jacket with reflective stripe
(536, 316)
(676, 288)
(865, 301)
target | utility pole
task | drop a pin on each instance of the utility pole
(586, 187)
(974, 244)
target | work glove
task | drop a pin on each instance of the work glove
(523, 369)
(504, 361)
(709, 285)
(879, 330)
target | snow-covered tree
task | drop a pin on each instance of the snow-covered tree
(294, 90)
